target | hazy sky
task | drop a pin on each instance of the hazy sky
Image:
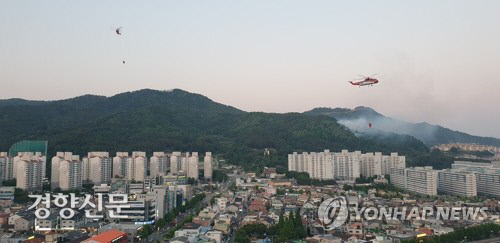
(439, 61)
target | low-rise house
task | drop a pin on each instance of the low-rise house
(108, 237)
(205, 217)
(291, 208)
(442, 230)
(258, 205)
(396, 238)
(47, 224)
(221, 203)
(4, 218)
(271, 190)
(189, 230)
(6, 203)
(276, 204)
(373, 225)
(130, 229)
(252, 218)
(355, 228)
(324, 239)
(215, 235)
(70, 237)
(267, 221)
(223, 225)
(280, 183)
(24, 223)
(426, 231)
(180, 239)
(13, 219)
(232, 208)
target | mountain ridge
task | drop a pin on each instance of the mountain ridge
(177, 120)
(357, 120)
(151, 120)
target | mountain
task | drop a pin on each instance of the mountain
(176, 120)
(358, 120)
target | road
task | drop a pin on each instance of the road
(223, 187)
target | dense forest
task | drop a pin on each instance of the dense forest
(176, 120)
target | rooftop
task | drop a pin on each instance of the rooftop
(107, 236)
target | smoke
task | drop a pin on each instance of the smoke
(383, 125)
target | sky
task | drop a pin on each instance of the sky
(437, 61)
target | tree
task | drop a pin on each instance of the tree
(347, 187)
(145, 231)
(191, 181)
(11, 182)
(299, 227)
(219, 176)
(161, 223)
(287, 230)
(20, 196)
(484, 231)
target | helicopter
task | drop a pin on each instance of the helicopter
(365, 81)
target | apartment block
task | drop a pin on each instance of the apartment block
(192, 166)
(70, 173)
(120, 164)
(97, 168)
(207, 166)
(175, 161)
(6, 166)
(137, 166)
(344, 165)
(29, 170)
(422, 180)
(487, 176)
(455, 182)
(158, 164)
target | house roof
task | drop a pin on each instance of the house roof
(180, 238)
(191, 226)
(107, 236)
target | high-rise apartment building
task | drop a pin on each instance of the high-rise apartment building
(16, 160)
(137, 166)
(487, 176)
(456, 182)
(398, 177)
(344, 165)
(120, 164)
(70, 173)
(29, 170)
(488, 183)
(391, 161)
(55, 167)
(66, 172)
(175, 160)
(6, 166)
(371, 164)
(184, 159)
(97, 168)
(158, 164)
(422, 180)
(207, 166)
(192, 166)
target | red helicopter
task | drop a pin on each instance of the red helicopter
(365, 81)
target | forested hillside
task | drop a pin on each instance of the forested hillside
(176, 120)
